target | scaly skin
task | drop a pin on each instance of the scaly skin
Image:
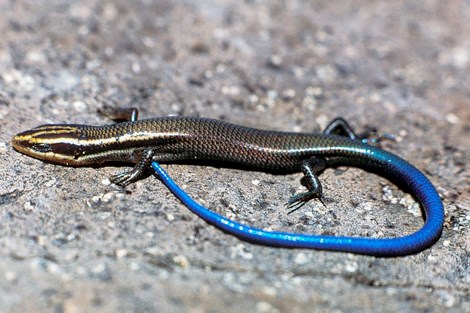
(183, 138)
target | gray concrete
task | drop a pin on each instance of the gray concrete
(71, 242)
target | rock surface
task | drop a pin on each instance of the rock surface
(71, 242)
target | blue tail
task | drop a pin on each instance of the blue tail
(407, 174)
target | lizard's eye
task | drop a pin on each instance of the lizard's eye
(42, 147)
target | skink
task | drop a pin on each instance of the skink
(169, 139)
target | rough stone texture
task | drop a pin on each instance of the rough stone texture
(70, 242)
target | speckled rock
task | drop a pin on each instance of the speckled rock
(72, 242)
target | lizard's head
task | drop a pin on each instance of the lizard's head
(52, 143)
